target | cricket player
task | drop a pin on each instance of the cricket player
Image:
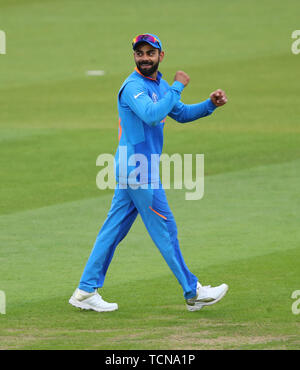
(144, 102)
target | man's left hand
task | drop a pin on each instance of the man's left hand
(218, 97)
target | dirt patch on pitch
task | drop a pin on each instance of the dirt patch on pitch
(177, 342)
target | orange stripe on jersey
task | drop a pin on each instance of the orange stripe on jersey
(165, 218)
(149, 78)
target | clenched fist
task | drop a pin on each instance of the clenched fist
(218, 97)
(182, 77)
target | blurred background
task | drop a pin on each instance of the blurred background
(55, 120)
(62, 118)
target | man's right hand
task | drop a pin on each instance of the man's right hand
(182, 77)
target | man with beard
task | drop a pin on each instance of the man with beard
(144, 101)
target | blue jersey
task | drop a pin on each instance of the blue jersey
(144, 104)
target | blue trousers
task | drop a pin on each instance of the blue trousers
(153, 207)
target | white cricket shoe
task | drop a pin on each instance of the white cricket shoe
(206, 296)
(91, 301)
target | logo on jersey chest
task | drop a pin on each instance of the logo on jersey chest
(154, 97)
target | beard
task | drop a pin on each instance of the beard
(147, 69)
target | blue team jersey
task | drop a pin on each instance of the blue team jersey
(143, 105)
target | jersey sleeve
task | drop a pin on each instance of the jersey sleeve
(190, 112)
(135, 95)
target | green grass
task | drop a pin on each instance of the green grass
(55, 121)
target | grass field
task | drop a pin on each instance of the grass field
(55, 121)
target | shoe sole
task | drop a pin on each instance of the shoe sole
(199, 306)
(74, 302)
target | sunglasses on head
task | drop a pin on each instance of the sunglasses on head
(145, 38)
